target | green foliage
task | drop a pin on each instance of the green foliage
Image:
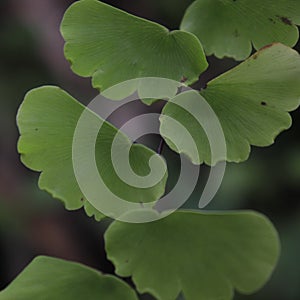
(113, 46)
(204, 255)
(47, 120)
(251, 101)
(51, 278)
(231, 27)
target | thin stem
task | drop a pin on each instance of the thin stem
(161, 146)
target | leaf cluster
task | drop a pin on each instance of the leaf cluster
(201, 255)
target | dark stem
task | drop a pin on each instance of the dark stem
(161, 146)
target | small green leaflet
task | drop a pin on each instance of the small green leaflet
(203, 255)
(231, 27)
(51, 278)
(113, 46)
(47, 120)
(251, 101)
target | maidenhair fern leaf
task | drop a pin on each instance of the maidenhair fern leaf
(113, 46)
(230, 27)
(51, 278)
(203, 255)
(47, 120)
(251, 101)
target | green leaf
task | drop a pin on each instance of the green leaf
(230, 28)
(113, 46)
(51, 278)
(251, 101)
(204, 255)
(47, 120)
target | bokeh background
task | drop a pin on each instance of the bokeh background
(32, 223)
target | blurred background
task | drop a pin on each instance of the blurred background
(32, 223)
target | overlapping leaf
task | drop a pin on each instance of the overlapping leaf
(47, 120)
(251, 101)
(204, 255)
(230, 28)
(50, 278)
(113, 46)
